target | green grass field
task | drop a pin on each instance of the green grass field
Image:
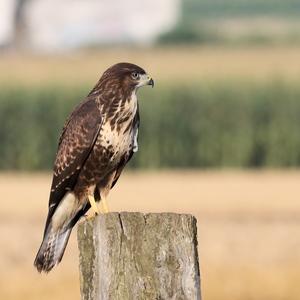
(214, 107)
(221, 124)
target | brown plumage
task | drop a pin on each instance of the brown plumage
(97, 141)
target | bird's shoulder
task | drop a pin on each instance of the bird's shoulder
(85, 111)
(76, 141)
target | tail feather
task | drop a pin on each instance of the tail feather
(52, 248)
(58, 228)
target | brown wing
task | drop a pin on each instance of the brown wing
(75, 144)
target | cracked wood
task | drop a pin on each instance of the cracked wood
(139, 256)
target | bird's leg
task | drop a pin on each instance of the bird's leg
(103, 191)
(93, 204)
(104, 206)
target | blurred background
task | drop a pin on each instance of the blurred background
(219, 135)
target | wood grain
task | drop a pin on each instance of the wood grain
(139, 256)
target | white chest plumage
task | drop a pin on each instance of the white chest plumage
(118, 139)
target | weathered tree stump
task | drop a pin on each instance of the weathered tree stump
(135, 256)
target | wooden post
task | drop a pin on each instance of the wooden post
(135, 256)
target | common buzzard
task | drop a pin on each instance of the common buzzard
(97, 141)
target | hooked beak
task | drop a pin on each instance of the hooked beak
(145, 79)
(151, 82)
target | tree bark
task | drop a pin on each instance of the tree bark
(133, 256)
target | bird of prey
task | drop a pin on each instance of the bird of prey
(97, 141)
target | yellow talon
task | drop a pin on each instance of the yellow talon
(89, 217)
(93, 204)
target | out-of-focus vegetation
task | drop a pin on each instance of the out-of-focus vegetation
(236, 22)
(211, 106)
(220, 124)
(219, 8)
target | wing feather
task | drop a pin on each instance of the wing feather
(75, 144)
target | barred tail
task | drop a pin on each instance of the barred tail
(52, 248)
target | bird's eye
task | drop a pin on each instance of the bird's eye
(135, 75)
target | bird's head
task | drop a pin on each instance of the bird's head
(129, 75)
